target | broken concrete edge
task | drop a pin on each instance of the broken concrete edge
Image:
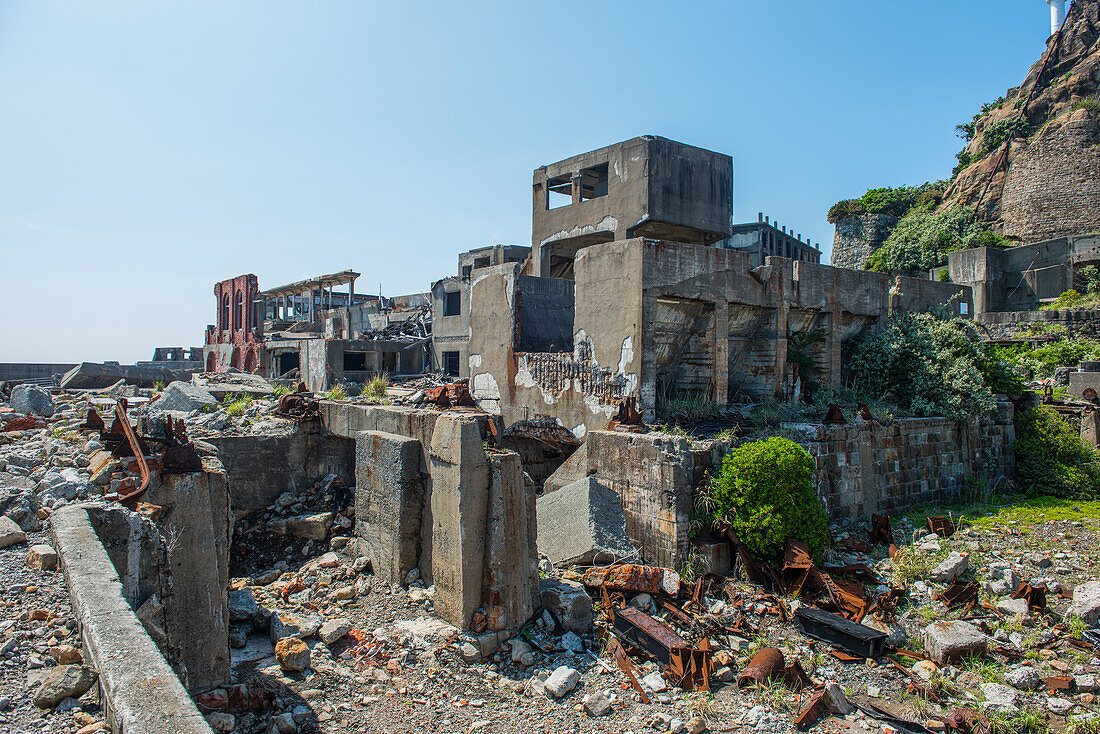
(139, 691)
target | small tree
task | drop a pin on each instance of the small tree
(765, 492)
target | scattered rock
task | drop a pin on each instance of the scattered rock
(292, 654)
(1059, 706)
(1024, 678)
(41, 557)
(1013, 607)
(563, 680)
(31, 400)
(1086, 602)
(946, 642)
(1000, 698)
(10, 533)
(950, 568)
(597, 704)
(334, 629)
(221, 722)
(64, 681)
(183, 397)
(836, 701)
(655, 683)
(568, 603)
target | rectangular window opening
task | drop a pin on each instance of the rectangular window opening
(481, 262)
(559, 192)
(594, 182)
(355, 361)
(452, 303)
(450, 363)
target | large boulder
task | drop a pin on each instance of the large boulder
(28, 399)
(183, 397)
(947, 642)
(1086, 602)
(582, 523)
(64, 681)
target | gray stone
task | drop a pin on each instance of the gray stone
(561, 681)
(583, 523)
(1000, 698)
(311, 527)
(67, 484)
(64, 681)
(597, 704)
(289, 624)
(1024, 677)
(183, 397)
(572, 643)
(333, 629)
(1085, 683)
(1059, 706)
(951, 567)
(567, 602)
(221, 722)
(10, 533)
(1086, 602)
(950, 641)
(31, 399)
(243, 607)
(1013, 607)
(836, 701)
(655, 682)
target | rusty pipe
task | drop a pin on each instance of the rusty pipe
(764, 666)
(130, 499)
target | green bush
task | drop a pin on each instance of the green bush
(922, 239)
(1040, 362)
(765, 491)
(845, 208)
(1002, 130)
(931, 364)
(1051, 458)
(895, 202)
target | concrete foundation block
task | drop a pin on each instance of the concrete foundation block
(583, 523)
(389, 502)
(460, 480)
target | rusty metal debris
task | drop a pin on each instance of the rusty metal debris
(179, 455)
(959, 594)
(1058, 683)
(855, 638)
(26, 423)
(299, 406)
(449, 396)
(128, 496)
(834, 416)
(941, 526)
(634, 578)
(814, 711)
(766, 665)
(880, 530)
(627, 415)
(683, 664)
(1036, 595)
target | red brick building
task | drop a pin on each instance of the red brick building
(237, 339)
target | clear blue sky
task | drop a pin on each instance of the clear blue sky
(149, 149)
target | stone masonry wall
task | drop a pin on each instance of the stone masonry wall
(857, 238)
(1053, 186)
(865, 468)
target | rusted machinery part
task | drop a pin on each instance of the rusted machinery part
(130, 499)
(765, 665)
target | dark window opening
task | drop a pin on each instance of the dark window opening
(481, 262)
(355, 361)
(389, 362)
(238, 314)
(452, 303)
(594, 182)
(466, 272)
(559, 191)
(450, 363)
(286, 362)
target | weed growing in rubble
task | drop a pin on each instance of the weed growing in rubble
(912, 563)
(989, 670)
(765, 493)
(1076, 626)
(1085, 725)
(1029, 720)
(281, 390)
(1051, 458)
(239, 406)
(376, 388)
(694, 566)
(336, 393)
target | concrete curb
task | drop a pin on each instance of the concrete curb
(139, 691)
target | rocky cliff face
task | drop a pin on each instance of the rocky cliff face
(1036, 169)
(858, 237)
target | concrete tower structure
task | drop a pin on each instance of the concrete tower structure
(1057, 14)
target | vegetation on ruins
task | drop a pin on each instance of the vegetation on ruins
(931, 364)
(765, 493)
(895, 202)
(1040, 362)
(377, 387)
(1051, 458)
(923, 238)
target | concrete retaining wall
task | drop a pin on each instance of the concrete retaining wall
(140, 693)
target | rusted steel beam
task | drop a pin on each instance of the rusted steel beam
(683, 663)
(815, 710)
(843, 633)
(941, 526)
(130, 499)
(634, 578)
(618, 654)
(959, 594)
(1036, 595)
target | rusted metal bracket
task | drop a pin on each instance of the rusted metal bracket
(941, 526)
(684, 664)
(618, 654)
(129, 499)
(959, 594)
(815, 710)
(1036, 596)
(179, 455)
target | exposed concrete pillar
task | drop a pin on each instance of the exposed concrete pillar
(389, 502)
(511, 559)
(1090, 427)
(460, 478)
(196, 525)
(721, 352)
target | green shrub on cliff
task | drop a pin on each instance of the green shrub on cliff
(922, 239)
(765, 492)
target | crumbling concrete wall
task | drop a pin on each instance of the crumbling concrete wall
(260, 468)
(654, 320)
(139, 692)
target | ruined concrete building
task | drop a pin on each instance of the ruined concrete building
(308, 330)
(634, 293)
